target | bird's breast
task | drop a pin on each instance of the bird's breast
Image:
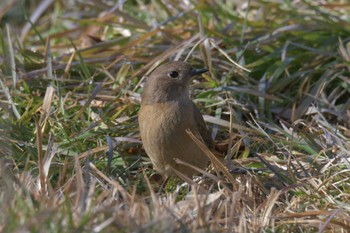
(163, 131)
(166, 118)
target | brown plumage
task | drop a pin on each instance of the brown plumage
(165, 115)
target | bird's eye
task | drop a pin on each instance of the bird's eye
(173, 74)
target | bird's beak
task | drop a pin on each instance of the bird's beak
(198, 71)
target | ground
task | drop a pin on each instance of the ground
(276, 99)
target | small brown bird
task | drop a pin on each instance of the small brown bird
(166, 113)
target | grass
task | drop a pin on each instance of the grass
(71, 159)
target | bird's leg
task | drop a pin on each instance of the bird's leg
(160, 190)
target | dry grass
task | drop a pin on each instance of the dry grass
(276, 99)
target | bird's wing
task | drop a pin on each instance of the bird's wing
(202, 127)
